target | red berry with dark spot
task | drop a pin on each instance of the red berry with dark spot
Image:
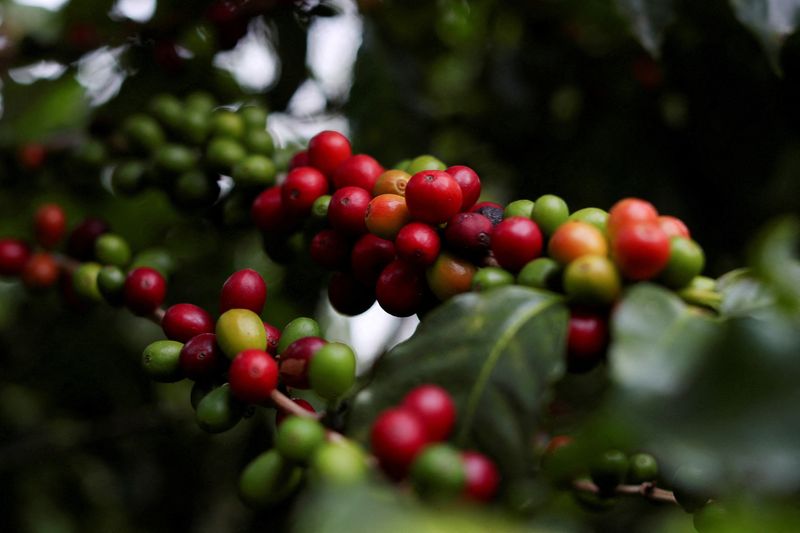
(369, 257)
(269, 215)
(483, 479)
(182, 322)
(273, 338)
(433, 196)
(244, 289)
(14, 254)
(401, 288)
(515, 242)
(80, 244)
(295, 359)
(435, 409)
(641, 250)
(201, 359)
(327, 150)
(587, 339)
(491, 210)
(469, 182)
(280, 416)
(144, 290)
(50, 225)
(418, 243)
(397, 437)
(253, 375)
(348, 296)
(348, 208)
(303, 185)
(357, 171)
(469, 233)
(330, 249)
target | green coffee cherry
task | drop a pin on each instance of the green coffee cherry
(175, 158)
(110, 283)
(195, 126)
(438, 472)
(711, 518)
(591, 215)
(402, 165)
(592, 279)
(255, 170)
(686, 261)
(128, 177)
(238, 330)
(297, 329)
(339, 463)
(156, 258)
(218, 410)
(167, 109)
(223, 153)
(332, 371)
(259, 142)
(424, 162)
(84, 280)
(491, 277)
(143, 133)
(201, 101)
(254, 117)
(298, 437)
(319, 209)
(643, 468)
(519, 208)
(268, 479)
(111, 249)
(609, 470)
(688, 488)
(161, 361)
(195, 189)
(549, 212)
(541, 273)
(226, 123)
(91, 152)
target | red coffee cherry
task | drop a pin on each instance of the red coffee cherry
(14, 254)
(386, 215)
(273, 338)
(628, 211)
(280, 416)
(330, 249)
(144, 290)
(300, 159)
(587, 339)
(369, 257)
(469, 234)
(433, 196)
(182, 322)
(50, 225)
(348, 296)
(40, 272)
(357, 171)
(253, 375)
(435, 409)
(641, 250)
(295, 359)
(269, 215)
(515, 242)
(483, 479)
(244, 289)
(32, 155)
(673, 227)
(401, 288)
(327, 150)
(303, 185)
(201, 358)
(80, 244)
(347, 210)
(469, 182)
(418, 243)
(397, 437)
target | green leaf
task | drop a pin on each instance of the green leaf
(775, 259)
(770, 20)
(649, 20)
(495, 352)
(743, 293)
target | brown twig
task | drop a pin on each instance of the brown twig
(647, 490)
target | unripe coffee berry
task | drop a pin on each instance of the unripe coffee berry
(268, 480)
(391, 182)
(238, 330)
(84, 281)
(450, 275)
(161, 361)
(438, 472)
(244, 289)
(298, 437)
(253, 375)
(297, 329)
(111, 284)
(609, 470)
(549, 212)
(112, 249)
(574, 239)
(332, 371)
(181, 322)
(433, 196)
(339, 463)
(386, 215)
(144, 290)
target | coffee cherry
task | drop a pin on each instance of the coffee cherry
(300, 159)
(628, 212)
(515, 242)
(397, 437)
(348, 295)
(244, 289)
(357, 171)
(226, 123)
(438, 472)
(253, 375)
(31, 156)
(144, 290)
(268, 479)
(591, 215)
(195, 188)
(643, 468)
(712, 517)
(369, 257)
(330, 249)
(297, 329)
(482, 477)
(201, 358)
(418, 243)
(641, 250)
(562, 461)
(433, 196)
(424, 162)
(238, 330)
(319, 209)
(111, 284)
(181, 322)
(450, 275)
(469, 234)
(157, 259)
(260, 142)
(223, 153)
(255, 169)
(470, 185)
(491, 277)
(592, 280)
(112, 249)
(327, 150)
(688, 486)
(280, 415)
(332, 371)
(50, 225)
(80, 244)
(40, 272)
(144, 134)
(195, 125)
(254, 117)
(14, 255)
(574, 239)
(400, 288)
(295, 360)
(166, 108)
(348, 209)
(587, 338)
(273, 338)
(298, 437)
(541, 273)
(609, 470)
(84, 281)
(175, 158)
(339, 463)
(161, 361)
(435, 408)
(686, 261)
(386, 215)
(391, 182)
(673, 227)
(549, 212)
(519, 208)
(302, 186)
(492, 211)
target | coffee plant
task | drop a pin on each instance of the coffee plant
(241, 291)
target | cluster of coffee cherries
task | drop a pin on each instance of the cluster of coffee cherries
(408, 441)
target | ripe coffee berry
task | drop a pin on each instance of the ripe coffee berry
(433, 196)
(587, 339)
(450, 275)
(483, 479)
(280, 415)
(418, 243)
(348, 296)
(295, 360)
(369, 257)
(181, 322)
(50, 225)
(300, 159)
(673, 227)
(330, 249)
(574, 239)
(302, 186)
(469, 182)
(80, 244)
(400, 288)
(40, 272)
(494, 212)
(469, 233)
(640, 250)
(327, 150)
(435, 409)
(273, 338)
(144, 290)
(348, 209)
(244, 289)
(629, 211)
(253, 375)
(397, 437)
(201, 358)
(14, 255)
(391, 182)
(515, 242)
(386, 215)
(269, 215)
(357, 171)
